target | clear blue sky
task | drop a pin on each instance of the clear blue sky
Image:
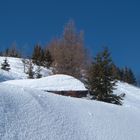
(115, 24)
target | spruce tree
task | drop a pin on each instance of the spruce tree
(116, 72)
(48, 58)
(36, 56)
(101, 81)
(42, 58)
(129, 76)
(38, 72)
(30, 70)
(125, 75)
(132, 79)
(5, 65)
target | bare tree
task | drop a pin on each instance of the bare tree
(68, 52)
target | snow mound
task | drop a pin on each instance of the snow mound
(28, 114)
(58, 82)
(17, 70)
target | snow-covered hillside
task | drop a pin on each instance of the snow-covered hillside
(17, 70)
(36, 115)
(27, 112)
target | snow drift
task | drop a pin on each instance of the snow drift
(58, 82)
(32, 114)
(29, 113)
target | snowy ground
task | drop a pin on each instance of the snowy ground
(17, 70)
(35, 115)
(57, 82)
(28, 113)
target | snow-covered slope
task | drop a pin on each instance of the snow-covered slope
(57, 82)
(132, 97)
(29, 113)
(36, 115)
(17, 70)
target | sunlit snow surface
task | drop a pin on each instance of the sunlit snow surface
(57, 82)
(17, 70)
(28, 113)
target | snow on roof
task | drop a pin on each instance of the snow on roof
(57, 82)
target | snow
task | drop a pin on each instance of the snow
(36, 115)
(57, 82)
(132, 94)
(27, 112)
(17, 70)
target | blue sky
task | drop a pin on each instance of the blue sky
(115, 24)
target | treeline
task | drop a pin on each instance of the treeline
(42, 57)
(12, 51)
(124, 74)
(68, 55)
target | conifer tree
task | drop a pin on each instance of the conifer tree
(48, 58)
(116, 72)
(36, 56)
(38, 72)
(132, 79)
(101, 81)
(13, 51)
(42, 58)
(30, 70)
(5, 65)
(6, 52)
(1, 53)
(129, 76)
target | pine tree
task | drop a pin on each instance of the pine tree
(48, 59)
(38, 74)
(1, 53)
(132, 79)
(30, 70)
(101, 81)
(13, 51)
(116, 72)
(42, 58)
(5, 65)
(120, 74)
(125, 75)
(6, 52)
(129, 76)
(37, 54)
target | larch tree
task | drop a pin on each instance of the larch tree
(68, 52)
